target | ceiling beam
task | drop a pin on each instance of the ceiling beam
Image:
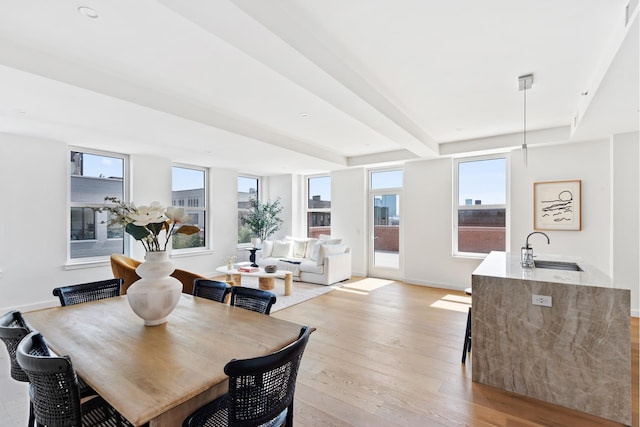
(289, 49)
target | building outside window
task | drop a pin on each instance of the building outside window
(480, 220)
(318, 206)
(94, 176)
(247, 190)
(188, 190)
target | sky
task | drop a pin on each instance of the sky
(483, 180)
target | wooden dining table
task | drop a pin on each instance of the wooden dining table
(159, 374)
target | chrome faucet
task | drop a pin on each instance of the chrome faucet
(526, 253)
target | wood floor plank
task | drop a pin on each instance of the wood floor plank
(389, 354)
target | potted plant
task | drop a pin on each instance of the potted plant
(263, 219)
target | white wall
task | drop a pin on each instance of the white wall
(625, 207)
(33, 247)
(282, 186)
(348, 214)
(427, 221)
(588, 162)
(34, 216)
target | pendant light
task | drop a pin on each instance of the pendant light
(525, 82)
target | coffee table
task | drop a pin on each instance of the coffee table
(265, 280)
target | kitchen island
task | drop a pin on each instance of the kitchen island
(574, 353)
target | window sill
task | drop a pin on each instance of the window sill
(469, 255)
(77, 265)
(182, 253)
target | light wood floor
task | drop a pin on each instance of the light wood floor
(388, 354)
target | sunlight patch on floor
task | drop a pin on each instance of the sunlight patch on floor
(369, 284)
(457, 298)
(352, 291)
(454, 303)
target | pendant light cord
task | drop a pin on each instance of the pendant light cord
(524, 143)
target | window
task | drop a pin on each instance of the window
(83, 224)
(188, 190)
(247, 190)
(94, 176)
(318, 206)
(386, 179)
(480, 205)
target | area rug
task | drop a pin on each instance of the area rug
(302, 291)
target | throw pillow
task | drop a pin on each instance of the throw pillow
(299, 248)
(310, 244)
(324, 237)
(315, 251)
(326, 250)
(267, 248)
(281, 249)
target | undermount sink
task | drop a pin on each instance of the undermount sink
(557, 265)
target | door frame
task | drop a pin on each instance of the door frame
(372, 269)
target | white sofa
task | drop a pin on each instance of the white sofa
(322, 261)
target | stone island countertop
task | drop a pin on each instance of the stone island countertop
(575, 352)
(506, 265)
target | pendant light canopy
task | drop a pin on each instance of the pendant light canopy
(524, 83)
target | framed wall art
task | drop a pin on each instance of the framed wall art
(557, 205)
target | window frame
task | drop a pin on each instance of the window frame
(204, 209)
(126, 244)
(238, 210)
(309, 210)
(456, 205)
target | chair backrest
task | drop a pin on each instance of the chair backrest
(252, 299)
(211, 289)
(54, 385)
(261, 388)
(125, 268)
(13, 328)
(84, 292)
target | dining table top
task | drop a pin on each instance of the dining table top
(159, 374)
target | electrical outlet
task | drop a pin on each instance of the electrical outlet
(543, 300)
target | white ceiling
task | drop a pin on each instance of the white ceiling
(290, 86)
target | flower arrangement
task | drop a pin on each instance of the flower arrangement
(145, 223)
(229, 261)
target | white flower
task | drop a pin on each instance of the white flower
(177, 215)
(146, 215)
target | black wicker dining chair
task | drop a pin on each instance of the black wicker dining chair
(261, 390)
(252, 299)
(84, 292)
(211, 289)
(13, 328)
(54, 389)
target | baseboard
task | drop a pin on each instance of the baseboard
(434, 284)
(32, 307)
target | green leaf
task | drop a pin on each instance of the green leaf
(138, 232)
(156, 227)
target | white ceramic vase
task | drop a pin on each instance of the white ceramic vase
(156, 294)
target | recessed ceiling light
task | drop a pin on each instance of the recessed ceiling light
(304, 114)
(88, 12)
(459, 129)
